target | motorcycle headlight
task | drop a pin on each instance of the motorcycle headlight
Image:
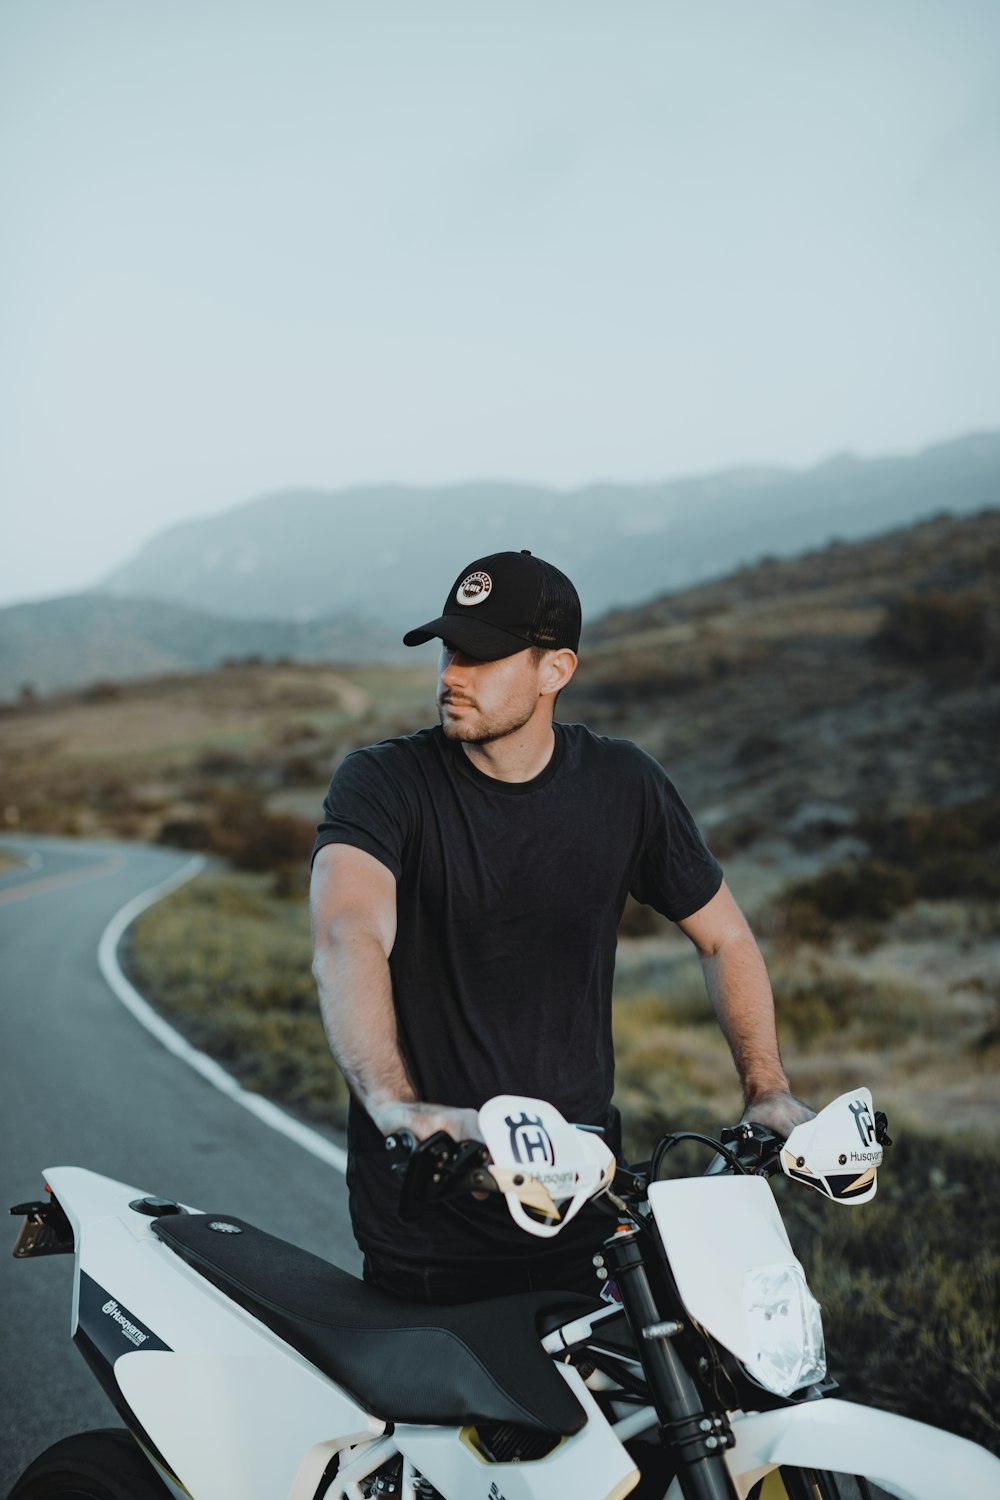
(786, 1329)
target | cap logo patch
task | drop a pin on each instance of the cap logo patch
(474, 589)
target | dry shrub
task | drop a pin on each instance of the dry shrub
(941, 854)
(186, 833)
(948, 851)
(236, 825)
(936, 627)
(818, 1003)
(862, 890)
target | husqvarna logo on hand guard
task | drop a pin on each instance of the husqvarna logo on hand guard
(863, 1120)
(530, 1141)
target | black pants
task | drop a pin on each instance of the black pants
(475, 1281)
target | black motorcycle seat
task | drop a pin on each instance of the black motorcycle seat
(402, 1361)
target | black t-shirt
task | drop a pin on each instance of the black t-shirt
(508, 900)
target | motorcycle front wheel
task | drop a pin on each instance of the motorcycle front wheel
(815, 1484)
(103, 1465)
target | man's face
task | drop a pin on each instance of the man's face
(481, 701)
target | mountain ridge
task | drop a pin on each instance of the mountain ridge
(621, 555)
(368, 550)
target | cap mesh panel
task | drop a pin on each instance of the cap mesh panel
(557, 614)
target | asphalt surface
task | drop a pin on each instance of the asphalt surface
(83, 1084)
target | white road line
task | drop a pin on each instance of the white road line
(207, 1067)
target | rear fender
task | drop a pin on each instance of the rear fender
(88, 1197)
(88, 1200)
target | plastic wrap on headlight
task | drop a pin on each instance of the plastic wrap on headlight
(786, 1329)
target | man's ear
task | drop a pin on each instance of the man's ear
(557, 669)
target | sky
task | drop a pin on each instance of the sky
(248, 247)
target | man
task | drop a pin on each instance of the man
(468, 882)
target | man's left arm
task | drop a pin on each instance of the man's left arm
(740, 991)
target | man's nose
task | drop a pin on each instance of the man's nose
(451, 667)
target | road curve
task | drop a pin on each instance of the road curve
(82, 1083)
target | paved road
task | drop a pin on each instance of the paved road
(82, 1083)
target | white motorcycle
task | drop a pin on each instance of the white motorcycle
(247, 1369)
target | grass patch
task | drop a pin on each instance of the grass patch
(229, 964)
(817, 1001)
(821, 1005)
(910, 1284)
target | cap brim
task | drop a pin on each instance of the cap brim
(476, 638)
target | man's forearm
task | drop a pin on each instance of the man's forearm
(359, 1017)
(740, 990)
(355, 996)
(741, 995)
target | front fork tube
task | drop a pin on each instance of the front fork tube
(698, 1438)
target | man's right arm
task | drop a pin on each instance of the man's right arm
(353, 902)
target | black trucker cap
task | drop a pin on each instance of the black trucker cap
(503, 603)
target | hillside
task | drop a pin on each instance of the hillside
(90, 638)
(795, 692)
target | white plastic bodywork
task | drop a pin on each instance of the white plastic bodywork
(237, 1426)
(591, 1465)
(715, 1230)
(905, 1458)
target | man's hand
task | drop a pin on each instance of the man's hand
(424, 1120)
(779, 1110)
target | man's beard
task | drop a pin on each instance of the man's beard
(483, 729)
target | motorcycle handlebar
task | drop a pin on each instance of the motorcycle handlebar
(440, 1167)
